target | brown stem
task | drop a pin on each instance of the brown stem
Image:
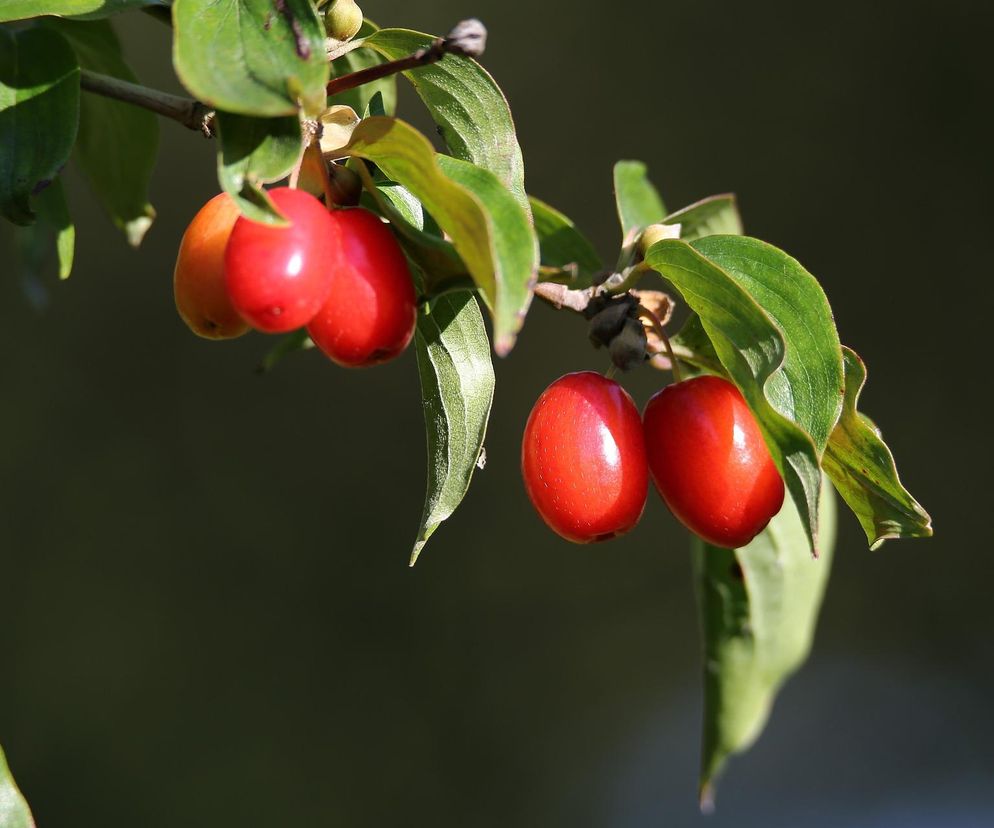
(467, 38)
(657, 328)
(563, 297)
(186, 111)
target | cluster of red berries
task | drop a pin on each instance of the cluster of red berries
(586, 458)
(338, 272)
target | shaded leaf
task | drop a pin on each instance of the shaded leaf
(759, 608)
(53, 217)
(457, 384)
(489, 232)
(772, 328)
(39, 114)
(356, 60)
(862, 469)
(639, 204)
(14, 811)
(715, 215)
(562, 245)
(253, 152)
(466, 104)
(118, 143)
(84, 9)
(251, 57)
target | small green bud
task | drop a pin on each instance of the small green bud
(342, 19)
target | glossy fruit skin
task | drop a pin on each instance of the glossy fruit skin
(371, 309)
(583, 458)
(279, 277)
(709, 461)
(198, 279)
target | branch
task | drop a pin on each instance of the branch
(468, 39)
(186, 111)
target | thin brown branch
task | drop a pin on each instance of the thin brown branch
(563, 297)
(186, 111)
(468, 38)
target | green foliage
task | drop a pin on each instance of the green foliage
(639, 203)
(712, 216)
(862, 469)
(457, 385)
(470, 218)
(119, 177)
(562, 246)
(82, 9)
(759, 607)
(465, 102)
(781, 349)
(14, 812)
(474, 236)
(251, 57)
(252, 152)
(39, 113)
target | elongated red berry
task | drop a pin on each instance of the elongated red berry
(583, 458)
(370, 312)
(709, 461)
(198, 279)
(278, 277)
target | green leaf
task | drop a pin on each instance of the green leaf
(457, 384)
(39, 113)
(253, 152)
(712, 216)
(772, 328)
(53, 214)
(22, 9)
(466, 104)
(639, 204)
(759, 608)
(356, 60)
(862, 469)
(488, 230)
(251, 57)
(562, 245)
(118, 143)
(14, 811)
(513, 242)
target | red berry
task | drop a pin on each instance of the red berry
(278, 277)
(198, 280)
(709, 461)
(370, 312)
(583, 458)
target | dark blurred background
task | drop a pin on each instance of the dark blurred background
(206, 617)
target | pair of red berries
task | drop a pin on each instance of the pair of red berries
(339, 272)
(587, 455)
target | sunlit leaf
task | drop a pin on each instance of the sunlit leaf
(468, 107)
(457, 384)
(251, 57)
(712, 216)
(772, 328)
(862, 469)
(14, 811)
(84, 9)
(562, 245)
(638, 201)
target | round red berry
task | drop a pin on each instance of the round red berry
(278, 277)
(709, 461)
(371, 310)
(583, 458)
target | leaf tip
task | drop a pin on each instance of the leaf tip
(416, 553)
(504, 344)
(705, 797)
